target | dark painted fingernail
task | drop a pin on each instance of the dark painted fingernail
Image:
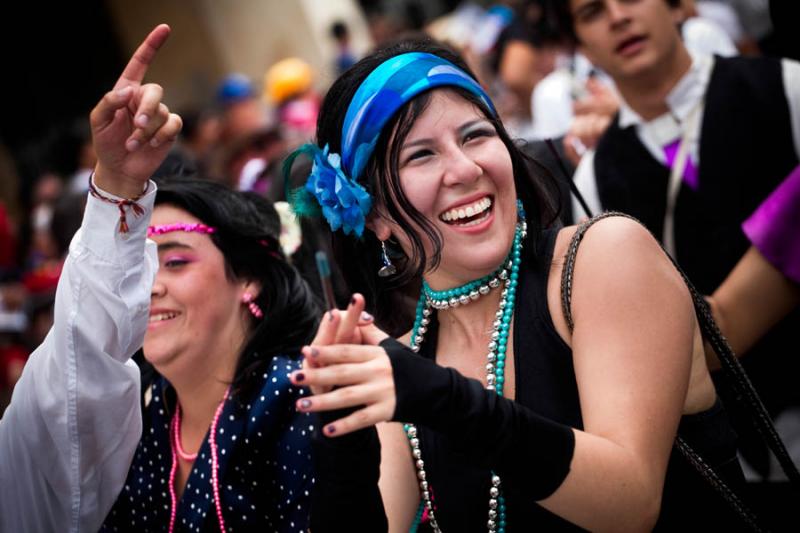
(366, 317)
(299, 376)
(330, 430)
(305, 404)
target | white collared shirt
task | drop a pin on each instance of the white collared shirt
(681, 101)
(68, 436)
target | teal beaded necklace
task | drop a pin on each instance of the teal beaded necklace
(508, 275)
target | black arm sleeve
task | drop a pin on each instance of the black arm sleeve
(520, 446)
(345, 496)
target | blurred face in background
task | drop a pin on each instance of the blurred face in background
(628, 39)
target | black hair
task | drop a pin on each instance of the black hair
(360, 258)
(560, 13)
(247, 233)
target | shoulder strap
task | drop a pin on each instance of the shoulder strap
(730, 364)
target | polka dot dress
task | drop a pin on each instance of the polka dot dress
(264, 457)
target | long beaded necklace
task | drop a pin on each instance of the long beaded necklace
(508, 275)
(177, 451)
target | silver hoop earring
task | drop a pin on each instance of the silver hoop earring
(388, 269)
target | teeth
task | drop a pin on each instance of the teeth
(465, 212)
(162, 316)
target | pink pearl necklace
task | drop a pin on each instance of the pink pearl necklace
(176, 437)
(177, 451)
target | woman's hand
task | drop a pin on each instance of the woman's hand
(353, 375)
(338, 327)
(345, 367)
(132, 129)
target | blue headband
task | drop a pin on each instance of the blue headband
(343, 201)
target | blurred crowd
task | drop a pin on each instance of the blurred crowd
(544, 89)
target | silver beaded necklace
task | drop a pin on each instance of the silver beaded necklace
(506, 275)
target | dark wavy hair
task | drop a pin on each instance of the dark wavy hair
(248, 228)
(359, 259)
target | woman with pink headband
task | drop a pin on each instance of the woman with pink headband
(211, 441)
(222, 446)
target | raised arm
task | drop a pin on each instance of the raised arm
(68, 436)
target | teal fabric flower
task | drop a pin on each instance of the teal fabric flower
(344, 203)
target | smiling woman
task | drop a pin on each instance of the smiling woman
(223, 446)
(512, 419)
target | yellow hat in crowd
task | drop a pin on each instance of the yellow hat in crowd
(287, 78)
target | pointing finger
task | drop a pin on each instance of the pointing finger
(137, 67)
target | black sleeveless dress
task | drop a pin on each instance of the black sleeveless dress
(545, 383)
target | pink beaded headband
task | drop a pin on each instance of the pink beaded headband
(179, 226)
(197, 228)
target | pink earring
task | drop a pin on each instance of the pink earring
(255, 310)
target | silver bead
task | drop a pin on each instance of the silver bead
(412, 432)
(420, 464)
(495, 335)
(421, 474)
(494, 492)
(502, 303)
(491, 357)
(489, 368)
(474, 295)
(496, 323)
(419, 339)
(426, 495)
(426, 312)
(490, 380)
(416, 453)
(422, 330)
(499, 313)
(495, 481)
(493, 503)
(494, 283)
(423, 485)
(503, 274)
(415, 442)
(424, 322)
(415, 348)
(492, 514)
(492, 346)
(484, 290)
(491, 525)
(504, 293)
(463, 299)
(453, 302)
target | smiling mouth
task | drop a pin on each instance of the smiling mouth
(161, 317)
(468, 215)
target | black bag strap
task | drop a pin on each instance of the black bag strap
(730, 364)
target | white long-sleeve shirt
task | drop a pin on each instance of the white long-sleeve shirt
(69, 434)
